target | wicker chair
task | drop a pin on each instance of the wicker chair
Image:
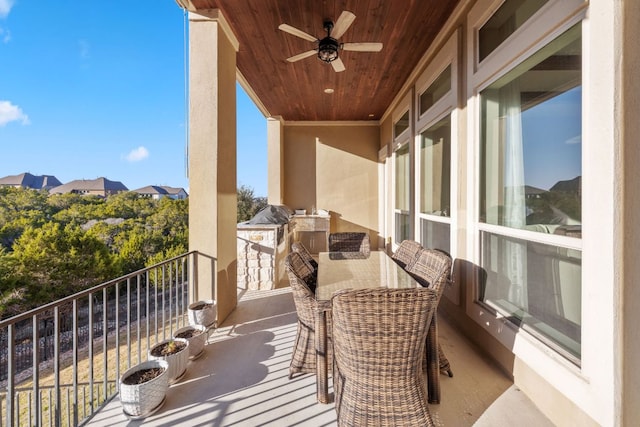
(302, 281)
(306, 255)
(432, 269)
(406, 253)
(379, 337)
(349, 242)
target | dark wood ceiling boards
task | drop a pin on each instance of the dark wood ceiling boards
(371, 80)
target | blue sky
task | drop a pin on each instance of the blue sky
(97, 89)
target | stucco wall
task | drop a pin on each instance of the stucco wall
(334, 167)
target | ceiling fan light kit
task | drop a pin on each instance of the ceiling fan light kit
(329, 47)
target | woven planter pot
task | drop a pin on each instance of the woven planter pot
(142, 400)
(203, 313)
(196, 342)
(177, 361)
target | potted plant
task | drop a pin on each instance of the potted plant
(143, 388)
(197, 337)
(176, 352)
(202, 313)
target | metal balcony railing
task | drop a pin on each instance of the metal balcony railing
(60, 363)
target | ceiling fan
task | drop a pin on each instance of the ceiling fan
(328, 47)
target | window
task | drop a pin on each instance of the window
(402, 190)
(504, 22)
(435, 184)
(401, 125)
(530, 181)
(439, 88)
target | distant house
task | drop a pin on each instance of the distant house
(533, 192)
(160, 191)
(98, 187)
(27, 180)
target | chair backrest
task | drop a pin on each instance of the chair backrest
(306, 255)
(406, 253)
(299, 271)
(379, 337)
(350, 242)
(432, 268)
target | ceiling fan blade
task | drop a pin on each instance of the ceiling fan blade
(302, 55)
(296, 32)
(337, 65)
(342, 24)
(362, 47)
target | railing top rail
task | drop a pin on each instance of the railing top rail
(29, 314)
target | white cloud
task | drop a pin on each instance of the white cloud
(137, 154)
(5, 35)
(11, 113)
(5, 7)
(575, 140)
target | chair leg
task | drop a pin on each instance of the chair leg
(445, 366)
(433, 364)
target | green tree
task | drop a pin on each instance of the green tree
(248, 203)
(57, 261)
(19, 209)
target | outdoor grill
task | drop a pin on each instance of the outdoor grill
(263, 245)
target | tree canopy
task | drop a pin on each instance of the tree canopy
(52, 246)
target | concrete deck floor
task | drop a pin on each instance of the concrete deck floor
(242, 380)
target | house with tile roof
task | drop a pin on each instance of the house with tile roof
(102, 187)
(27, 180)
(159, 191)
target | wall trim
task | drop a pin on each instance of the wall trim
(333, 123)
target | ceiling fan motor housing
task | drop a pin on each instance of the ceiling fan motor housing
(328, 49)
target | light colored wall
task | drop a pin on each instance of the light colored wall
(334, 167)
(212, 159)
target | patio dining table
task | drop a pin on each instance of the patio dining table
(349, 270)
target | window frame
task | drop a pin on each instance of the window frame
(446, 57)
(400, 141)
(543, 27)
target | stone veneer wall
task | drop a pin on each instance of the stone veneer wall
(260, 258)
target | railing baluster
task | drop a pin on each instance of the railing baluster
(10, 374)
(138, 319)
(117, 315)
(182, 290)
(91, 351)
(18, 410)
(56, 363)
(164, 297)
(148, 325)
(105, 341)
(129, 323)
(75, 360)
(50, 407)
(175, 311)
(35, 375)
(155, 307)
(69, 415)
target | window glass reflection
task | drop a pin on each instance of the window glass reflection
(531, 151)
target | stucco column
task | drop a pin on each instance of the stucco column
(212, 157)
(275, 160)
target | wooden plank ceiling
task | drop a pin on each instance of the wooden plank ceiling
(295, 91)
